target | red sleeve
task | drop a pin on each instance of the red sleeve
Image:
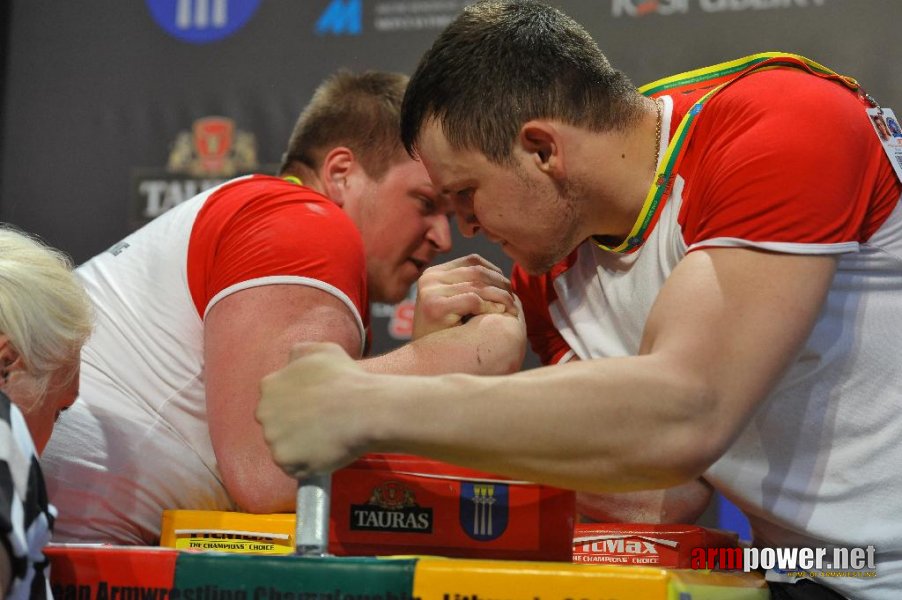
(536, 294)
(264, 230)
(785, 161)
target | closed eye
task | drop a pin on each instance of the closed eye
(427, 204)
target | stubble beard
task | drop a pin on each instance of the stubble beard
(564, 238)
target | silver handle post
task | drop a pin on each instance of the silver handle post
(312, 532)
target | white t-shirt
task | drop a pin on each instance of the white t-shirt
(136, 442)
(785, 162)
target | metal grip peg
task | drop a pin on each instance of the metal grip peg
(312, 530)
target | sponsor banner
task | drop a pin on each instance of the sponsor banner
(445, 579)
(645, 544)
(665, 8)
(201, 21)
(399, 504)
(421, 503)
(125, 572)
(396, 504)
(102, 573)
(294, 577)
(397, 319)
(347, 17)
(212, 151)
(107, 573)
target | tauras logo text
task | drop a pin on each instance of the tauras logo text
(413, 520)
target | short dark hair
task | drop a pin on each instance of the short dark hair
(502, 63)
(359, 110)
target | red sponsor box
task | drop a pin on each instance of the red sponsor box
(645, 544)
(387, 504)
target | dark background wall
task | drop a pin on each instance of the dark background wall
(100, 97)
(96, 93)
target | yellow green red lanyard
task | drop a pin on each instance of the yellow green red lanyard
(717, 78)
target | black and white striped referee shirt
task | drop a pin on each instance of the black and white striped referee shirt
(26, 518)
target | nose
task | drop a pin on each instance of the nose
(468, 224)
(439, 233)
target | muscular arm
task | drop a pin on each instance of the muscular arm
(250, 333)
(724, 328)
(246, 336)
(683, 503)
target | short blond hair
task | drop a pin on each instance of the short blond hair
(44, 310)
(359, 110)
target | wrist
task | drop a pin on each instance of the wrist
(384, 415)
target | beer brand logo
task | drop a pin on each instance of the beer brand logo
(393, 508)
(483, 509)
(211, 152)
(201, 21)
(213, 147)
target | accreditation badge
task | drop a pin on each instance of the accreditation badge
(889, 132)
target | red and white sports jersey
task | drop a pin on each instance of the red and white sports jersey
(786, 162)
(137, 441)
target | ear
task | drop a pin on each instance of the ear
(338, 165)
(9, 358)
(542, 140)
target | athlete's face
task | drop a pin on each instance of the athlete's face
(515, 206)
(404, 226)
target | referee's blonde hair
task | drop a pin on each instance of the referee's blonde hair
(44, 310)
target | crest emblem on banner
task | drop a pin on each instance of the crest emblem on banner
(483, 509)
(213, 141)
(205, 155)
(213, 147)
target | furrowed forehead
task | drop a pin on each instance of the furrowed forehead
(442, 161)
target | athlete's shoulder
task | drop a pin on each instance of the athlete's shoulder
(259, 187)
(272, 202)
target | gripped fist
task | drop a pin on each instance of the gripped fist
(309, 410)
(450, 293)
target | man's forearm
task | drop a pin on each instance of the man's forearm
(567, 432)
(491, 344)
(680, 504)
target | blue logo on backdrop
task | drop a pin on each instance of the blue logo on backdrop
(483, 509)
(341, 17)
(202, 21)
